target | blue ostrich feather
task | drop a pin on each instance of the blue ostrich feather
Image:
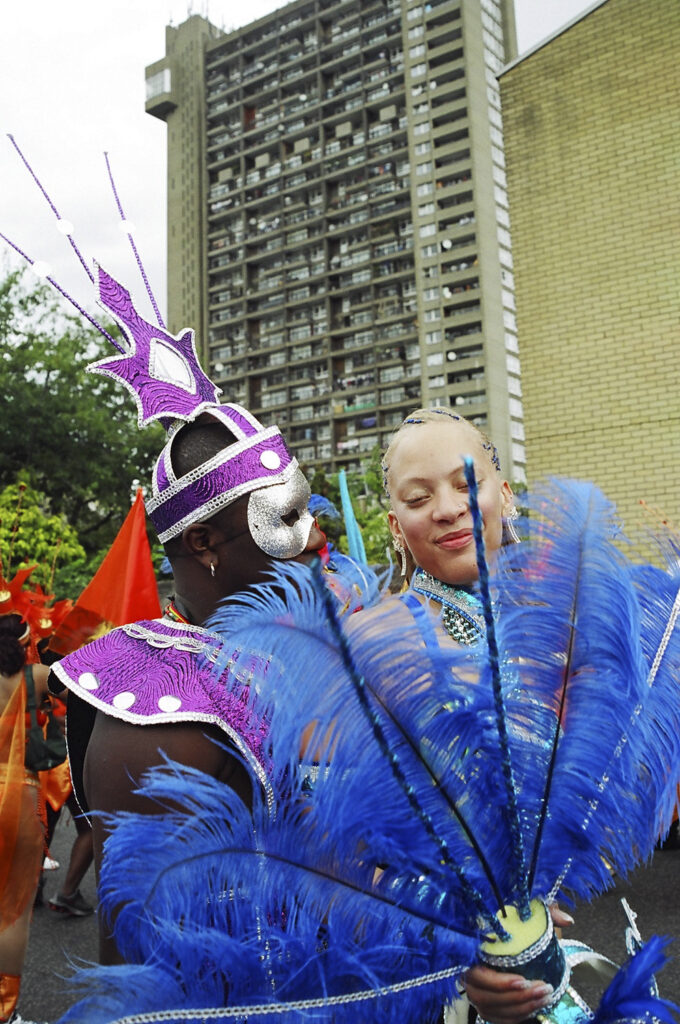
(569, 632)
(366, 581)
(103, 994)
(205, 879)
(520, 895)
(631, 994)
(375, 713)
(320, 505)
(415, 717)
(391, 849)
(569, 642)
(352, 529)
(658, 595)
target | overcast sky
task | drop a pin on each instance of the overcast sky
(72, 86)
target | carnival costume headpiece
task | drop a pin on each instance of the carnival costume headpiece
(162, 372)
(33, 605)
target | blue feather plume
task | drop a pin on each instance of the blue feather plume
(384, 648)
(320, 505)
(569, 628)
(345, 574)
(572, 636)
(354, 539)
(605, 761)
(658, 596)
(104, 994)
(391, 850)
(205, 881)
(631, 995)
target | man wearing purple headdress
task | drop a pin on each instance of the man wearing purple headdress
(151, 689)
(227, 498)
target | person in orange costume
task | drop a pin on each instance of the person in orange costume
(21, 825)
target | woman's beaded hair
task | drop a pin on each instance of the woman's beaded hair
(432, 416)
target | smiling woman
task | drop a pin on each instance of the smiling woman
(430, 518)
(432, 528)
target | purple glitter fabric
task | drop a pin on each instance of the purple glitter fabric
(232, 412)
(157, 390)
(240, 473)
(157, 671)
(161, 482)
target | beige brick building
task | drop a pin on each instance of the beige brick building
(592, 142)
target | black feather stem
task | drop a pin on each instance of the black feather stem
(486, 867)
(494, 665)
(560, 713)
(269, 857)
(360, 688)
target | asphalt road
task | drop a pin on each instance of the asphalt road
(56, 941)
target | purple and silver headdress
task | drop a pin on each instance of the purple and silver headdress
(162, 372)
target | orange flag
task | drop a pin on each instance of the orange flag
(122, 590)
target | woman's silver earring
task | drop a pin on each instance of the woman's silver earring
(212, 569)
(399, 548)
(510, 535)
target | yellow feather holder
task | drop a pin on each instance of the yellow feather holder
(532, 948)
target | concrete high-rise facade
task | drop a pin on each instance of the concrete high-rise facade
(593, 151)
(338, 227)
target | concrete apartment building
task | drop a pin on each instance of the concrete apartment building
(592, 141)
(338, 227)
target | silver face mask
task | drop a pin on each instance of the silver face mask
(266, 508)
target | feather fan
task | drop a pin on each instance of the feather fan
(395, 843)
(257, 927)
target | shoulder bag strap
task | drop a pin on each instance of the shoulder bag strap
(30, 693)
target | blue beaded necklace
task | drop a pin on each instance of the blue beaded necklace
(462, 614)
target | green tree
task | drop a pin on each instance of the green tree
(72, 434)
(31, 535)
(370, 505)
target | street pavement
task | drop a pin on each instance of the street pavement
(56, 942)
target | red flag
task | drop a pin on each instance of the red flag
(122, 590)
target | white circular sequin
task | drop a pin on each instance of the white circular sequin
(168, 703)
(65, 226)
(124, 700)
(270, 459)
(41, 269)
(88, 681)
